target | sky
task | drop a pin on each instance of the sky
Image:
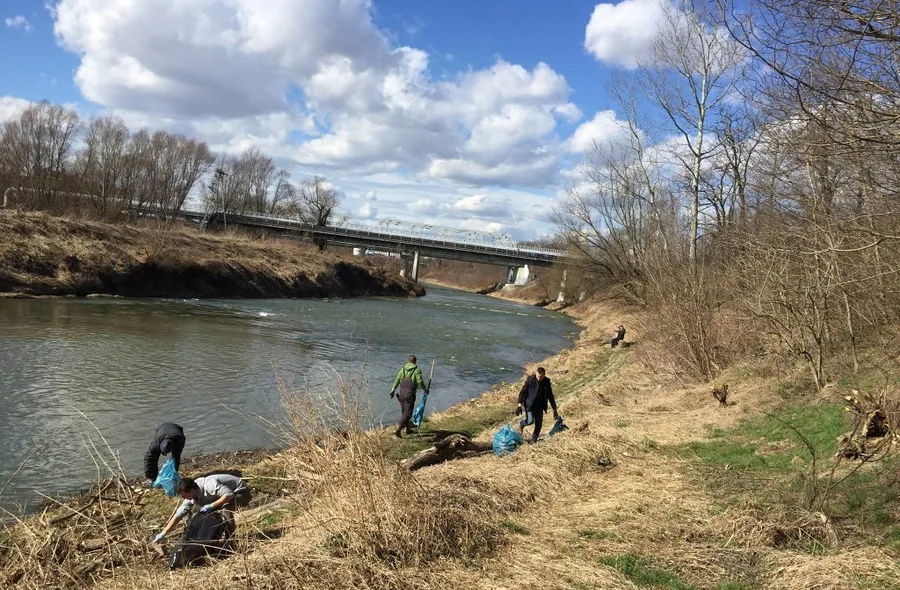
(468, 114)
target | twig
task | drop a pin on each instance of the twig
(80, 511)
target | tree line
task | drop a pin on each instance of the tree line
(52, 160)
(751, 197)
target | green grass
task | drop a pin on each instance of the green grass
(893, 536)
(623, 424)
(640, 572)
(771, 442)
(269, 520)
(514, 527)
(596, 535)
(793, 389)
(777, 460)
(868, 380)
(869, 496)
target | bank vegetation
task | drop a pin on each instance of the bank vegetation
(46, 255)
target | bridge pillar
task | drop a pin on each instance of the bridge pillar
(410, 265)
(511, 272)
(561, 298)
(523, 275)
(414, 274)
(359, 251)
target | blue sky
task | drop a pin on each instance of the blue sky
(468, 114)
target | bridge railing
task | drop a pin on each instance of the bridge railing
(365, 231)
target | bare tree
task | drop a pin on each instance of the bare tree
(38, 151)
(318, 201)
(245, 186)
(692, 70)
(102, 164)
(315, 204)
(283, 193)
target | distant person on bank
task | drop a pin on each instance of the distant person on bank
(408, 381)
(211, 492)
(169, 438)
(534, 396)
(619, 337)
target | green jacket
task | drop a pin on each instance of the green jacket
(414, 373)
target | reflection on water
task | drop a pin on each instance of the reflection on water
(80, 374)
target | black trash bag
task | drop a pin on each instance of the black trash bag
(206, 536)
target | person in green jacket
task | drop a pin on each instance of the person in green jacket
(408, 381)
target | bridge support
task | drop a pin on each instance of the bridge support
(561, 298)
(511, 272)
(410, 265)
(359, 251)
(523, 275)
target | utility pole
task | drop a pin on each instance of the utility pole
(215, 189)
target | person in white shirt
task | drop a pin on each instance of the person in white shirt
(212, 492)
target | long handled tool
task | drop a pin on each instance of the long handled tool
(420, 409)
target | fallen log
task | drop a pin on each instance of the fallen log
(455, 446)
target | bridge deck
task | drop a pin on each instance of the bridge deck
(427, 246)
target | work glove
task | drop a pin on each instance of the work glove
(207, 509)
(148, 483)
(427, 391)
(158, 538)
(392, 395)
(518, 410)
(555, 415)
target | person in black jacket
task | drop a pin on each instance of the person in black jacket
(533, 399)
(169, 438)
(619, 337)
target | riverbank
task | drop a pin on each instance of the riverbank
(655, 484)
(42, 255)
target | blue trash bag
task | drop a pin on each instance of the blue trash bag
(558, 427)
(168, 477)
(506, 440)
(419, 413)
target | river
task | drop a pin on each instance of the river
(86, 382)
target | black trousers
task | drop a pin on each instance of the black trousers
(407, 405)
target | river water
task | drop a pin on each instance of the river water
(84, 383)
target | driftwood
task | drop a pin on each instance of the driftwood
(254, 514)
(454, 446)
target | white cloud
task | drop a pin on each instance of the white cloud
(18, 22)
(521, 214)
(319, 87)
(315, 81)
(367, 211)
(11, 107)
(568, 111)
(208, 57)
(622, 34)
(604, 130)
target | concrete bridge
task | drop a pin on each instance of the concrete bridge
(410, 245)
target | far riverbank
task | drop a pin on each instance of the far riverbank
(42, 255)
